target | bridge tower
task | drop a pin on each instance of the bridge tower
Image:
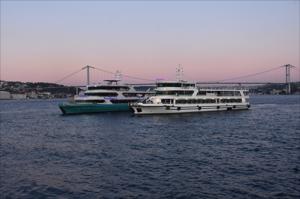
(87, 74)
(288, 77)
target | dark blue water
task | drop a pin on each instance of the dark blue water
(242, 154)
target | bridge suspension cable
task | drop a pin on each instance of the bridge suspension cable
(102, 70)
(124, 75)
(151, 80)
(250, 75)
(67, 76)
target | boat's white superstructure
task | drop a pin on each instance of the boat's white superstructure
(184, 97)
(110, 93)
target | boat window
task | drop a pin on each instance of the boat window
(102, 94)
(166, 101)
(227, 93)
(200, 101)
(134, 94)
(93, 88)
(188, 85)
(236, 100)
(231, 100)
(207, 101)
(237, 93)
(149, 101)
(161, 93)
(187, 93)
(246, 93)
(223, 100)
(181, 101)
(201, 93)
(211, 93)
(175, 84)
(129, 94)
(168, 84)
(211, 101)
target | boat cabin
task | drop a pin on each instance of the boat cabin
(110, 85)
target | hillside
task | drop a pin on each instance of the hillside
(34, 89)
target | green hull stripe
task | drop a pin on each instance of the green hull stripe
(92, 108)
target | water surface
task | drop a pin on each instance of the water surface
(237, 154)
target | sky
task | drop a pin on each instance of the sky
(43, 41)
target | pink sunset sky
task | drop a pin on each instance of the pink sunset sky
(212, 40)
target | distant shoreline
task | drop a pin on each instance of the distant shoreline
(65, 99)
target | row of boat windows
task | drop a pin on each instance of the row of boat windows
(115, 88)
(174, 93)
(200, 101)
(178, 84)
(114, 101)
(189, 93)
(231, 100)
(115, 94)
(195, 101)
(102, 94)
(220, 93)
(168, 101)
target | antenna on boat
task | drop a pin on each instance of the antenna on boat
(118, 75)
(179, 73)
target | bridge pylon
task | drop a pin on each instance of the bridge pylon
(288, 77)
(87, 74)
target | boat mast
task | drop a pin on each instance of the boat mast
(179, 73)
(118, 75)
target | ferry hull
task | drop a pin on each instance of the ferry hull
(146, 110)
(69, 108)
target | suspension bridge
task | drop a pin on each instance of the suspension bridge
(229, 81)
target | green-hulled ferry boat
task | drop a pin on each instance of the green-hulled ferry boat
(108, 97)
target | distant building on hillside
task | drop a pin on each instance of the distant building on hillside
(32, 95)
(44, 95)
(4, 95)
(18, 96)
(276, 92)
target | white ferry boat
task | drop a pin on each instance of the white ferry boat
(109, 97)
(184, 97)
